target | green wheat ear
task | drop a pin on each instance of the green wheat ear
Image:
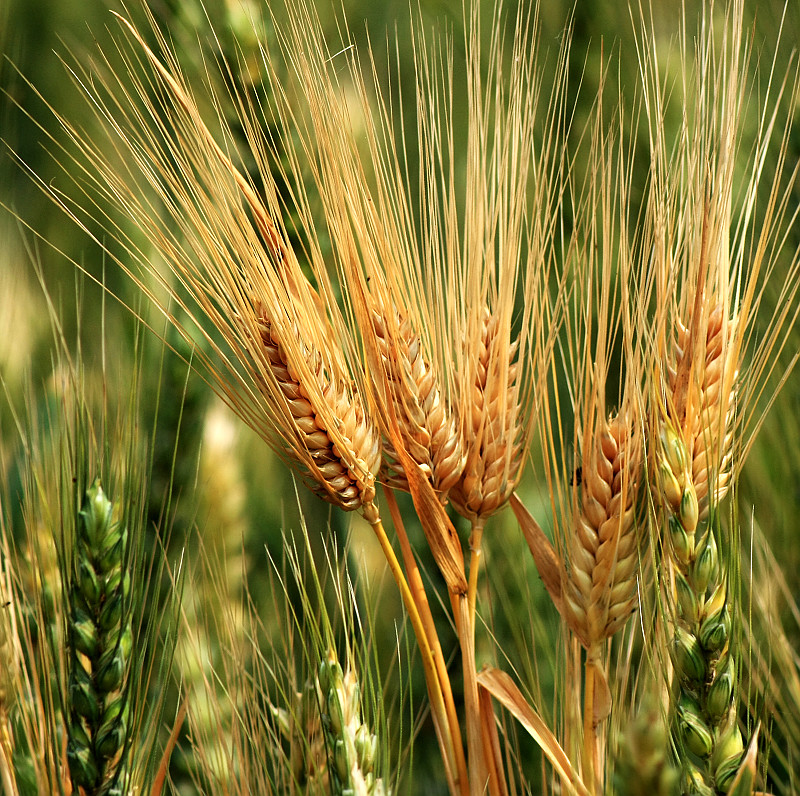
(352, 748)
(643, 766)
(100, 643)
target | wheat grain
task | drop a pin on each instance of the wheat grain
(493, 412)
(337, 447)
(427, 424)
(600, 591)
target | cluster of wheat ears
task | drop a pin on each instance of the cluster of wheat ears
(419, 297)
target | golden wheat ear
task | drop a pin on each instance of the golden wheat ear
(286, 333)
(600, 587)
(335, 443)
(427, 424)
(494, 421)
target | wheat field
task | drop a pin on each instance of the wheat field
(399, 400)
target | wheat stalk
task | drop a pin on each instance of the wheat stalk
(9, 663)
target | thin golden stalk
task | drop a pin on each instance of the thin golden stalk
(8, 666)
(435, 692)
(421, 599)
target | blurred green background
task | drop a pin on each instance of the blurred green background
(35, 235)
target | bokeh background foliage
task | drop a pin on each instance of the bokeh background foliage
(220, 511)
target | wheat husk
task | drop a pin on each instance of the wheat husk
(600, 591)
(426, 420)
(336, 446)
(493, 425)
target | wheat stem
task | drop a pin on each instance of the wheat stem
(6, 761)
(491, 746)
(7, 690)
(438, 706)
(421, 599)
(466, 627)
(477, 765)
(475, 556)
(592, 774)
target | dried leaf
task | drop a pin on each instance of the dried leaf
(544, 556)
(504, 690)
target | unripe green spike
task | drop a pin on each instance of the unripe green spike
(324, 676)
(682, 543)
(705, 565)
(125, 641)
(695, 732)
(117, 582)
(88, 582)
(95, 513)
(743, 781)
(111, 615)
(334, 711)
(689, 657)
(715, 630)
(716, 602)
(687, 599)
(341, 761)
(689, 510)
(353, 697)
(720, 694)
(112, 548)
(113, 729)
(730, 744)
(673, 448)
(111, 671)
(84, 634)
(366, 745)
(670, 486)
(83, 696)
(113, 664)
(726, 773)
(696, 785)
(80, 755)
(82, 766)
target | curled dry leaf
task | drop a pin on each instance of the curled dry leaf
(541, 548)
(505, 691)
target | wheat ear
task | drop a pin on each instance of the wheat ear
(100, 640)
(351, 745)
(339, 450)
(427, 422)
(694, 438)
(711, 433)
(600, 585)
(494, 449)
